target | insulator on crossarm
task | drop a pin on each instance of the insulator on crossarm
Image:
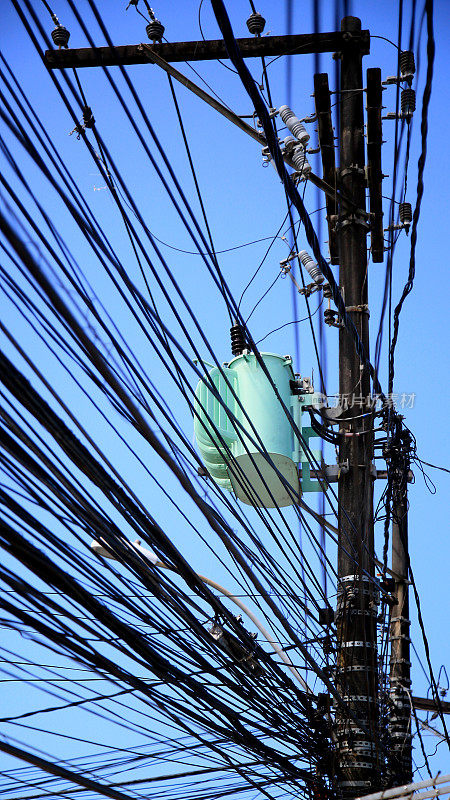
(408, 102)
(407, 64)
(311, 266)
(290, 142)
(155, 30)
(405, 214)
(293, 124)
(238, 343)
(300, 162)
(60, 36)
(256, 23)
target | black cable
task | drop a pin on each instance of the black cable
(199, 194)
(420, 185)
(247, 80)
(293, 322)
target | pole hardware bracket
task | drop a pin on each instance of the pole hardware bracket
(346, 764)
(353, 169)
(400, 661)
(373, 469)
(358, 643)
(363, 612)
(333, 471)
(400, 115)
(364, 747)
(361, 309)
(359, 698)
(351, 784)
(354, 668)
(358, 218)
(397, 79)
(399, 682)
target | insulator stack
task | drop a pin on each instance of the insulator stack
(256, 23)
(407, 64)
(155, 30)
(289, 143)
(300, 161)
(405, 213)
(238, 343)
(311, 266)
(60, 36)
(408, 102)
(293, 124)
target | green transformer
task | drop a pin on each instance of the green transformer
(246, 439)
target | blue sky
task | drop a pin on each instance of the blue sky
(245, 203)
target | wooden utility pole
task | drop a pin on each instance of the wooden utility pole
(400, 734)
(356, 611)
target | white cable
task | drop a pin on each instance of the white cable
(410, 788)
(153, 558)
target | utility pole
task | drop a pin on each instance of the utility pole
(358, 762)
(356, 612)
(400, 734)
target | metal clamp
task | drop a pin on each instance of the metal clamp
(351, 170)
(363, 748)
(354, 668)
(358, 644)
(351, 219)
(344, 591)
(359, 698)
(362, 309)
(351, 784)
(369, 612)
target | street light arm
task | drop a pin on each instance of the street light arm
(153, 558)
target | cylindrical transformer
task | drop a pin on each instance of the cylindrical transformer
(247, 441)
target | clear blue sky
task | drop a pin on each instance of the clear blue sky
(244, 203)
